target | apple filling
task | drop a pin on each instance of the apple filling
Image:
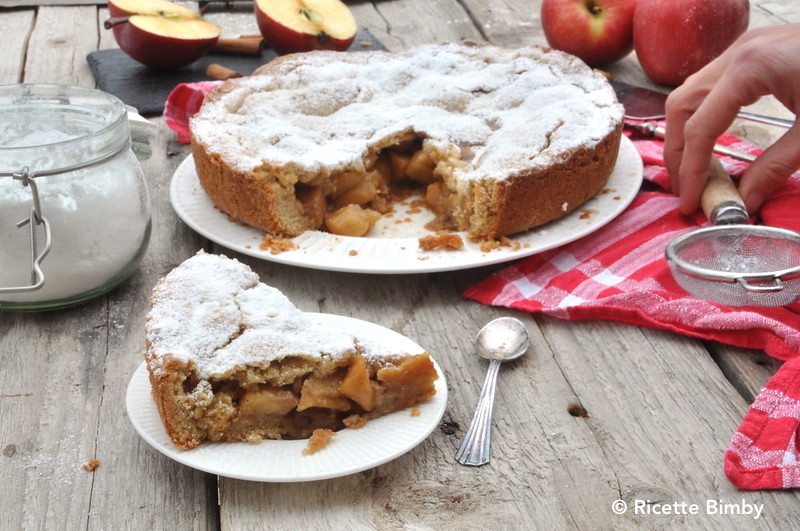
(349, 203)
(294, 402)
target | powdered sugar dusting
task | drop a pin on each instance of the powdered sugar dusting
(212, 312)
(522, 108)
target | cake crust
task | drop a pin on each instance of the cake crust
(516, 138)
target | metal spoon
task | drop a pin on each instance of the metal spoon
(501, 340)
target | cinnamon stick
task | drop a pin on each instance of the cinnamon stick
(221, 73)
(240, 46)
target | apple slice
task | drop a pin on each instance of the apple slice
(166, 42)
(290, 26)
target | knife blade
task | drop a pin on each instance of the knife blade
(645, 104)
(640, 103)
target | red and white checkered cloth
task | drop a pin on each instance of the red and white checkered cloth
(764, 453)
(620, 273)
(182, 103)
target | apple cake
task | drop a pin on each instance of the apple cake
(232, 359)
(499, 140)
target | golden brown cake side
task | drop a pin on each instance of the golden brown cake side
(533, 198)
(231, 359)
(175, 412)
(255, 198)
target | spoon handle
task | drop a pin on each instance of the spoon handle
(475, 450)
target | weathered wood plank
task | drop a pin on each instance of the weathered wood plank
(406, 22)
(508, 23)
(786, 10)
(669, 436)
(51, 392)
(106, 37)
(51, 382)
(152, 489)
(59, 43)
(747, 370)
(15, 26)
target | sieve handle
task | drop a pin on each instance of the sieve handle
(721, 200)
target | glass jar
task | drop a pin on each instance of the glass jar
(74, 208)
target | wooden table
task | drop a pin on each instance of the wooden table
(661, 408)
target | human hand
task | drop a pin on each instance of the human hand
(761, 62)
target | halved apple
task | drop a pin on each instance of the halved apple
(161, 34)
(126, 8)
(290, 26)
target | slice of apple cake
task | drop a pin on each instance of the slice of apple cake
(232, 359)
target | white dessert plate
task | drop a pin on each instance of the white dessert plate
(393, 245)
(349, 451)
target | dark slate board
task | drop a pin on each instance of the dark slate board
(147, 89)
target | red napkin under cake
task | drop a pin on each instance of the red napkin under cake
(619, 273)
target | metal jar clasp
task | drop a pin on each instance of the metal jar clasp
(35, 219)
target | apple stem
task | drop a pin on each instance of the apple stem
(594, 7)
(110, 22)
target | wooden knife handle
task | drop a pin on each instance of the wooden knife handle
(721, 196)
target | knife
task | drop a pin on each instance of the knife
(645, 104)
(648, 105)
(654, 130)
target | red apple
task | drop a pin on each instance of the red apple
(290, 26)
(675, 38)
(597, 31)
(160, 34)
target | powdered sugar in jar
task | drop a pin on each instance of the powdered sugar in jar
(74, 208)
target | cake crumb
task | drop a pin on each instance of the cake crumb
(503, 241)
(355, 422)
(319, 439)
(444, 241)
(276, 244)
(353, 252)
(415, 411)
(91, 464)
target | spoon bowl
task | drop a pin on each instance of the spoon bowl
(502, 339)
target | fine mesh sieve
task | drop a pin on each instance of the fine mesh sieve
(738, 265)
(734, 263)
